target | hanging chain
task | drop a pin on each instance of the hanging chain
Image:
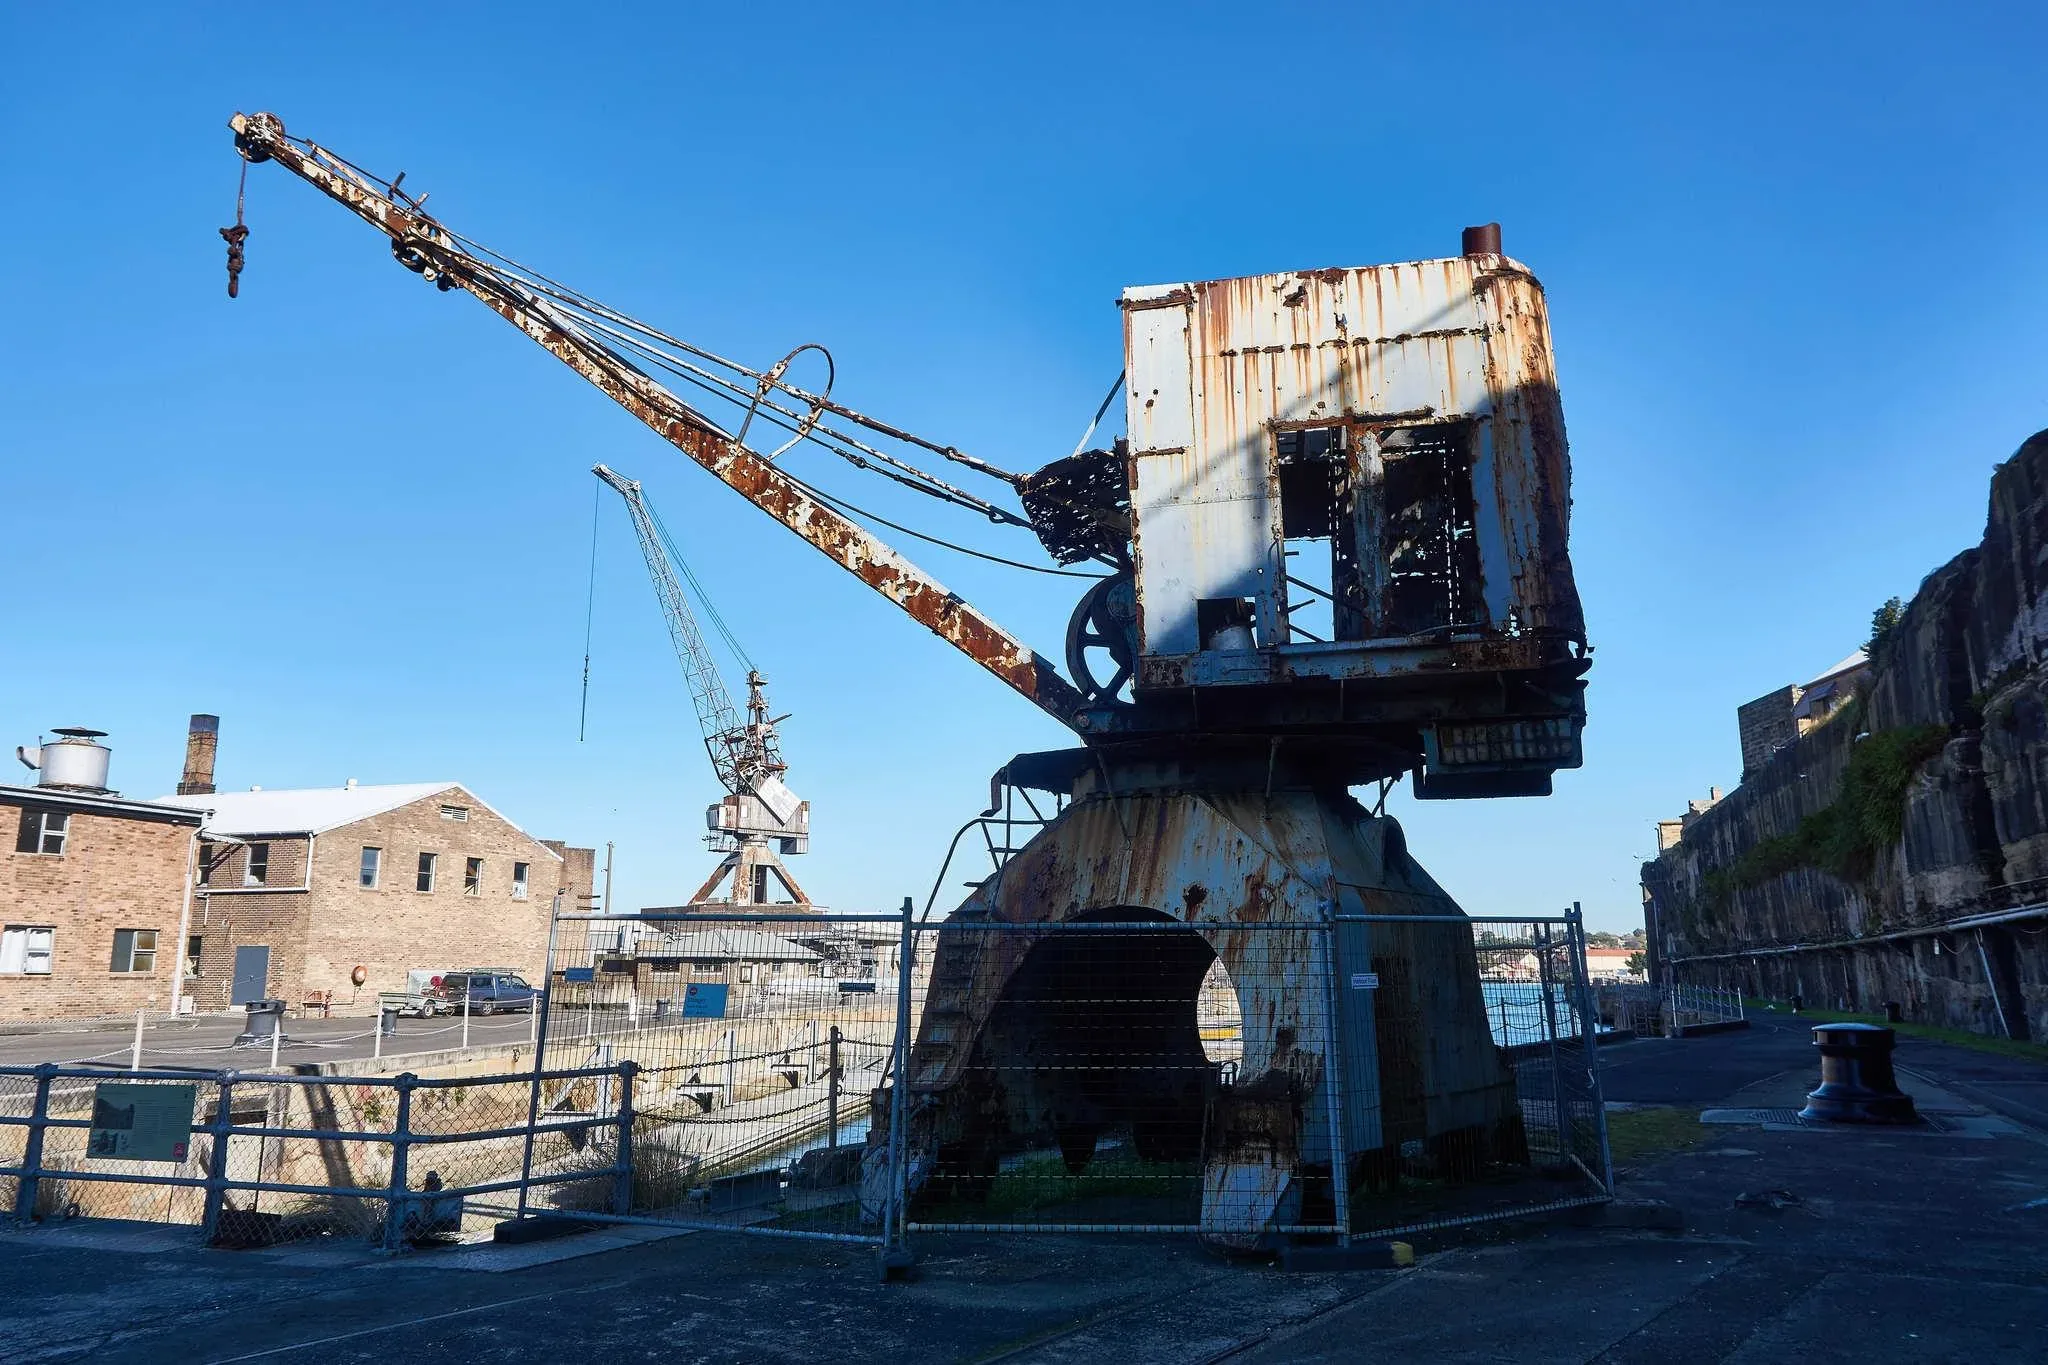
(236, 235)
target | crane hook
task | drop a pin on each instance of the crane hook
(235, 236)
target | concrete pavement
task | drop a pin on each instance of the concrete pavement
(1871, 1245)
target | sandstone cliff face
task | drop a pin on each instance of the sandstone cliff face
(1967, 657)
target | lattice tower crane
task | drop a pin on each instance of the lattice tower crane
(760, 818)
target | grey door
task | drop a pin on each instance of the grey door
(252, 974)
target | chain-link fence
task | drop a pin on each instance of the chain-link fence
(258, 1160)
(1133, 1073)
(868, 1078)
(1249, 1082)
(760, 1042)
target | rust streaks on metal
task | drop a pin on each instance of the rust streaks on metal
(422, 244)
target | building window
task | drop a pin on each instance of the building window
(134, 951)
(373, 863)
(42, 831)
(25, 949)
(258, 870)
(519, 879)
(455, 812)
(472, 876)
(425, 880)
(192, 946)
(206, 860)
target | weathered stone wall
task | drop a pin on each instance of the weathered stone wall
(1969, 657)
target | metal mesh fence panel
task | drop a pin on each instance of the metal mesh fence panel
(1486, 1101)
(1122, 1073)
(760, 1042)
(257, 1132)
(17, 1104)
(1248, 1082)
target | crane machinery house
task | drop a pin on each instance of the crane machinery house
(1342, 504)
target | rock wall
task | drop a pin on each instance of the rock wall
(1968, 656)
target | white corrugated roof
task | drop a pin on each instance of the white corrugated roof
(1856, 660)
(309, 810)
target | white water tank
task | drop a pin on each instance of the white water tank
(74, 762)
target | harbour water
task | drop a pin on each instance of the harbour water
(1515, 1011)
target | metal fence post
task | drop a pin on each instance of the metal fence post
(896, 1214)
(32, 1151)
(832, 1089)
(622, 1196)
(1333, 1088)
(1577, 928)
(543, 1010)
(217, 1158)
(399, 1198)
(1544, 978)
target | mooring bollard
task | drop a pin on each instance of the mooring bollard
(1856, 1081)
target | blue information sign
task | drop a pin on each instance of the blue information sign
(702, 1000)
(579, 974)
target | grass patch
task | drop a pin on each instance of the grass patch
(1033, 1184)
(1933, 1033)
(1635, 1135)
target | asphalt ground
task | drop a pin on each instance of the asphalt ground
(208, 1041)
(1817, 1245)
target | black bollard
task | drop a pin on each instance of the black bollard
(1856, 1082)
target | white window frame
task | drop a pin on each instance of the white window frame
(522, 874)
(18, 950)
(472, 876)
(370, 868)
(456, 813)
(430, 870)
(43, 816)
(134, 952)
(255, 872)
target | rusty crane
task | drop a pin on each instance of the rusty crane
(1333, 552)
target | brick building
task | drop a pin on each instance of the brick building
(92, 889)
(333, 894)
(1775, 719)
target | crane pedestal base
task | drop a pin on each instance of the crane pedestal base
(1062, 1008)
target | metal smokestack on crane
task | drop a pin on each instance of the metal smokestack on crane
(761, 819)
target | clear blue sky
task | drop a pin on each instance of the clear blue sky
(1793, 258)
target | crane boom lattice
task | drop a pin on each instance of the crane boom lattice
(738, 762)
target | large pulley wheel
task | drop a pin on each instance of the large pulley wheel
(1102, 641)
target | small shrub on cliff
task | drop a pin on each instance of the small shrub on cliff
(1884, 624)
(1846, 838)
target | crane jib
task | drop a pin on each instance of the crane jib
(423, 245)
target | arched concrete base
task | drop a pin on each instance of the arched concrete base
(1028, 1034)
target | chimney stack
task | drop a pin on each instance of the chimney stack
(200, 741)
